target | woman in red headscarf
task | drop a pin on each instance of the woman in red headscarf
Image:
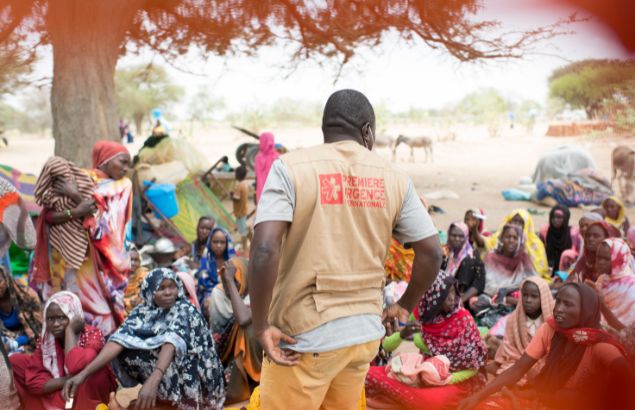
(81, 232)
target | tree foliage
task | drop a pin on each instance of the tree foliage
(587, 84)
(87, 37)
(142, 88)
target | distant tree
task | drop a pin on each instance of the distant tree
(202, 107)
(485, 106)
(586, 84)
(89, 36)
(142, 88)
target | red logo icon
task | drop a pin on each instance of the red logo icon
(331, 192)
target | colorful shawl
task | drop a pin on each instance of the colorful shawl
(453, 334)
(504, 272)
(533, 245)
(618, 288)
(195, 377)
(207, 277)
(517, 337)
(398, 265)
(12, 210)
(70, 304)
(264, 159)
(26, 302)
(456, 258)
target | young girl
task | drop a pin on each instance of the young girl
(65, 348)
(521, 325)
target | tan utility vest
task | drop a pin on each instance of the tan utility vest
(347, 201)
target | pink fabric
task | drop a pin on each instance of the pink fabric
(190, 287)
(264, 159)
(70, 304)
(413, 369)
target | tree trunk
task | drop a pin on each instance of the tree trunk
(87, 36)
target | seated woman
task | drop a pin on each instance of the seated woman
(20, 315)
(616, 282)
(132, 294)
(558, 236)
(67, 345)
(521, 325)
(570, 256)
(236, 342)
(615, 216)
(584, 268)
(475, 220)
(463, 263)
(446, 329)
(532, 244)
(165, 345)
(508, 265)
(220, 249)
(585, 366)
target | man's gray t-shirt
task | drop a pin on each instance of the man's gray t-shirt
(277, 203)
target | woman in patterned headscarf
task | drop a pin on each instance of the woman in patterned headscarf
(166, 346)
(616, 282)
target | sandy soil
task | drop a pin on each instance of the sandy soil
(474, 166)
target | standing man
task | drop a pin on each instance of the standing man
(322, 231)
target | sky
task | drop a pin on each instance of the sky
(399, 75)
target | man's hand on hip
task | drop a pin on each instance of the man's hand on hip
(270, 339)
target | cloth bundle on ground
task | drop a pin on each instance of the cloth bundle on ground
(169, 149)
(584, 188)
(562, 161)
(69, 238)
(413, 369)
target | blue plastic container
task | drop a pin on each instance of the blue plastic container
(163, 197)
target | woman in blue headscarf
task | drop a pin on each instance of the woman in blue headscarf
(220, 249)
(165, 345)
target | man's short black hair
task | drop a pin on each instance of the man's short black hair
(345, 112)
(241, 172)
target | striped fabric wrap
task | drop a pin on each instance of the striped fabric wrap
(69, 238)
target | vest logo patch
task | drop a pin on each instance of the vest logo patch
(331, 189)
(356, 192)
